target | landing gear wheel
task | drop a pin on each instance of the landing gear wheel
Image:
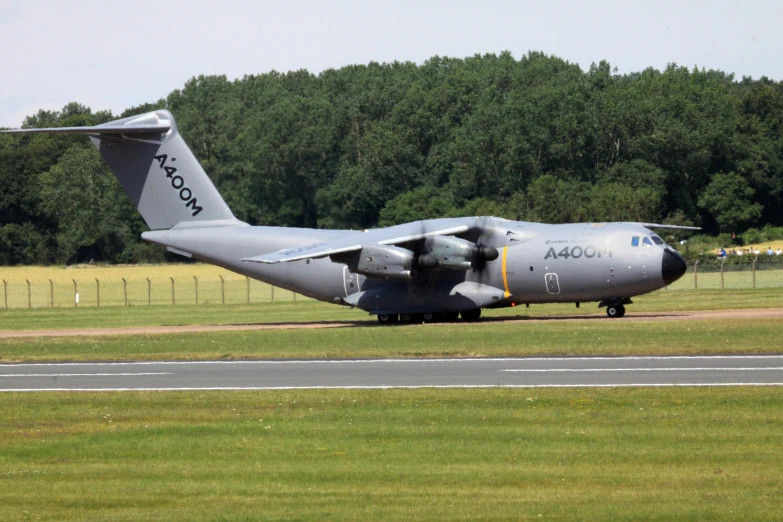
(615, 312)
(411, 318)
(471, 315)
(429, 317)
(387, 318)
(450, 317)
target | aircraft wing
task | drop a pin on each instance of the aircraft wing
(674, 227)
(352, 242)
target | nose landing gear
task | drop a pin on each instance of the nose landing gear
(615, 311)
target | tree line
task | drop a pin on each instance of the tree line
(535, 138)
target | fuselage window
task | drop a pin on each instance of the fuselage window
(657, 240)
(646, 242)
(635, 241)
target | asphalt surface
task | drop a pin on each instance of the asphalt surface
(397, 373)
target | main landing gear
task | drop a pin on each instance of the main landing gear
(615, 311)
(429, 317)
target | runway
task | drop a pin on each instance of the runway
(533, 372)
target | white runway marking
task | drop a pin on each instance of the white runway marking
(637, 369)
(83, 374)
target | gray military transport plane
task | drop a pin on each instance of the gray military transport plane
(437, 269)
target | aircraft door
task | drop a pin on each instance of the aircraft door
(350, 282)
(552, 284)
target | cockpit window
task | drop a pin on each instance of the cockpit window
(657, 240)
(635, 241)
(647, 242)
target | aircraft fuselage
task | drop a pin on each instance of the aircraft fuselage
(537, 263)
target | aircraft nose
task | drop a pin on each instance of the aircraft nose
(672, 267)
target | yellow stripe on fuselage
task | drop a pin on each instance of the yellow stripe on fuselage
(503, 269)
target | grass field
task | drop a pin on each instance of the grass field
(538, 338)
(492, 339)
(492, 454)
(313, 311)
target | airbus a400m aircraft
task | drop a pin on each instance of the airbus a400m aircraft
(428, 270)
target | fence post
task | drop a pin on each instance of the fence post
(722, 286)
(173, 301)
(125, 290)
(753, 269)
(51, 293)
(5, 293)
(696, 275)
(149, 292)
(195, 282)
(222, 290)
(75, 294)
(98, 291)
(248, 289)
(29, 300)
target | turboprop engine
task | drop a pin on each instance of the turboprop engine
(379, 261)
(454, 253)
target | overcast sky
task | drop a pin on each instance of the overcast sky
(113, 55)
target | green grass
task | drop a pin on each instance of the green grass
(491, 454)
(488, 339)
(312, 311)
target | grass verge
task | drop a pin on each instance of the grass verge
(488, 339)
(490, 454)
(312, 311)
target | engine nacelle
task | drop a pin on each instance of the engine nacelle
(379, 261)
(454, 253)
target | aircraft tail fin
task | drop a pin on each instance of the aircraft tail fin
(157, 170)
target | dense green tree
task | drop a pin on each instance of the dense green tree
(729, 199)
(534, 138)
(95, 217)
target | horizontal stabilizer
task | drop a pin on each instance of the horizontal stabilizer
(100, 129)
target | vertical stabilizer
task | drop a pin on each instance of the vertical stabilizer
(161, 175)
(157, 170)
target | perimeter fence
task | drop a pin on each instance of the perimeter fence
(735, 272)
(740, 272)
(98, 292)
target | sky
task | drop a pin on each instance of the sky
(114, 55)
